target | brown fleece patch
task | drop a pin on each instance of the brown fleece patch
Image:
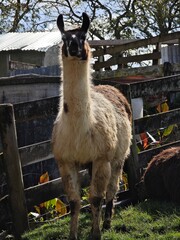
(116, 98)
(66, 110)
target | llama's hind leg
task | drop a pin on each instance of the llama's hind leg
(69, 174)
(111, 191)
(101, 172)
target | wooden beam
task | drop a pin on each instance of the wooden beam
(35, 153)
(140, 43)
(32, 154)
(28, 79)
(154, 86)
(36, 109)
(52, 189)
(105, 43)
(13, 170)
(118, 60)
(156, 121)
(132, 161)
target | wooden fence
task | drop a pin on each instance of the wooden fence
(115, 49)
(12, 159)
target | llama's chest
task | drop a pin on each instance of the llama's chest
(84, 141)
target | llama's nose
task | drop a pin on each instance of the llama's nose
(73, 47)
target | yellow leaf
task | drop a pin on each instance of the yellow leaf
(60, 207)
(163, 107)
(168, 131)
(125, 181)
(37, 209)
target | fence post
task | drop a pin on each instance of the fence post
(132, 161)
(13, 170)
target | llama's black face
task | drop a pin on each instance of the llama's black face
(74, 44)
(74, 40)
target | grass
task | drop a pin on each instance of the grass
(147, 220)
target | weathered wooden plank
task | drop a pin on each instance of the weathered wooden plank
(148, 71)
(36, 109)
(132, 161)
(104, 43)
(13, 169)
(28, 79)
(154, 86)
(32, 154)
(137, 44)
(156, 121)
(145, 156)
(35, 153)
(44, 192)
(118, 60)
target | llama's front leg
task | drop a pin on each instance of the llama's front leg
(101, 172)
(69, 174)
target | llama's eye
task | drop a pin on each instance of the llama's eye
(64, 38)
(83, 37)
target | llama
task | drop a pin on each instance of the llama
(161, 179)
(93, 126)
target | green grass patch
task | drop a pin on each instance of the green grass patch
(147, 220)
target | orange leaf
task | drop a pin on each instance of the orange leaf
(144, 139)
(44, 178)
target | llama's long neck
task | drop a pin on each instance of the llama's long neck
(76, 88)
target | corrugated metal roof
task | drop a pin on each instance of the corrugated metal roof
(39, 41)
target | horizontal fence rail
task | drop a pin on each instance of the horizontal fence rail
(54, 188)
(124, 60)
(156, 121)
(36, 109)
(152, 87)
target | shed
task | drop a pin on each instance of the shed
(28, 50)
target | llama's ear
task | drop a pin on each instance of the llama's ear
(60, 23)
(86, 22)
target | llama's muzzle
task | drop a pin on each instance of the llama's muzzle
(74, 48)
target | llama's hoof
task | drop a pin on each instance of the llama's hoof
(95, 235)
(106, 225)
(72, 237)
